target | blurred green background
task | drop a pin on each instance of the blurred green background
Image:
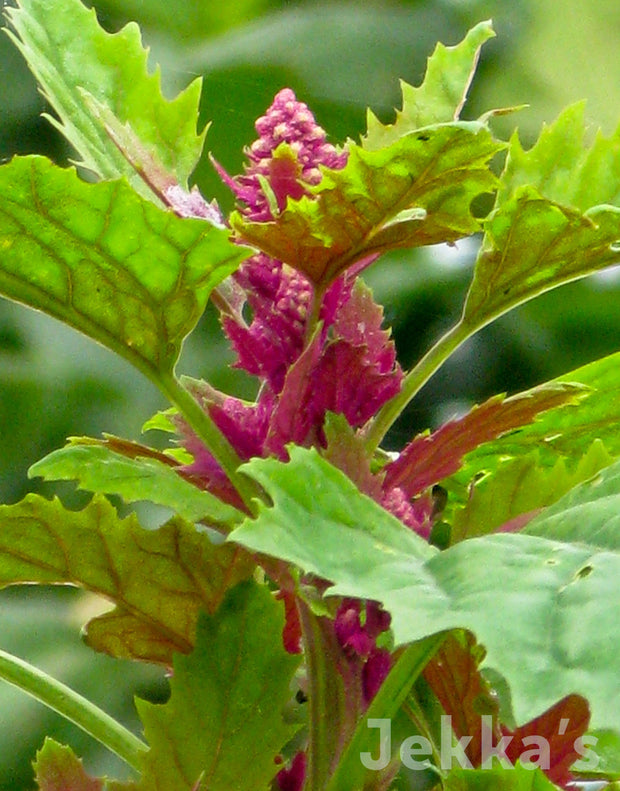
(339, 57)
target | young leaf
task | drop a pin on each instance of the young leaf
(57, 769)
(555, 219)
(543, 643)
(366, 208)
(158, 579)
(441, 96)
(107, 262)
(223, 726)
(97, 468)
(69, 52)
(589, 513)
(429, 458)
(567, 431)
(518, 486)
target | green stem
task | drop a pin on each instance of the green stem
(385, 705)
(74, 707)
(414, 382)
(215, 441)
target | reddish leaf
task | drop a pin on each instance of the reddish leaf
(431, 458)
(561, 726)
(464, 695)
(58, 769)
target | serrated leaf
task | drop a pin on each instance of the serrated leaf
(158, 579)
(58, 769)
(441, 96)
(555, 219)
(69, 52)
(374, 535)
(105, 261)
(562, 168)
(539, 607)
(589, 513)
(565, 432)
(223, 726)
(97, 468)
(520, 486)
(431, 457)
(358, 211)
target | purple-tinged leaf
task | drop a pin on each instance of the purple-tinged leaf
(417, 191)
(159, 580)
(430, 458)
(58, 769)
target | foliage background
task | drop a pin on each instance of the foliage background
(339, 57)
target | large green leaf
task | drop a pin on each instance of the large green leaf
(555, 219)
(223, 725)
(69, 53)
(541, 608)
(159, 580)
(441, 96)
(97, 468)
(107, 262)
(416, 191)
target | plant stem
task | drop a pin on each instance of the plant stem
(74, 707)
(215, 441)
(414, 382)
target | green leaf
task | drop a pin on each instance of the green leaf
(539, 607)
(517, 778)
(365, 208)
(554, 220)
(519, 486)
(69, 53)
(566, 432)
(158, 579)
(562, 169)
(108, 263)
(97, 468)
(340, 517)
(441, 96)
(589, 513)
(57, 769)
(223, 726)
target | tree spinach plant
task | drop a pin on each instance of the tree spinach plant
(333, 616)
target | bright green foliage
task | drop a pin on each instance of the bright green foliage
(107, 262)
(441, 96)
(567, 432)
(588, 514)
(58, 769)
(223, 725)
(517, 778)
(300, 521)
(416, 191)
(543, 643)
(554, 220)
(158, 579)
(519, 486)
(69, 53)
(97, 468)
